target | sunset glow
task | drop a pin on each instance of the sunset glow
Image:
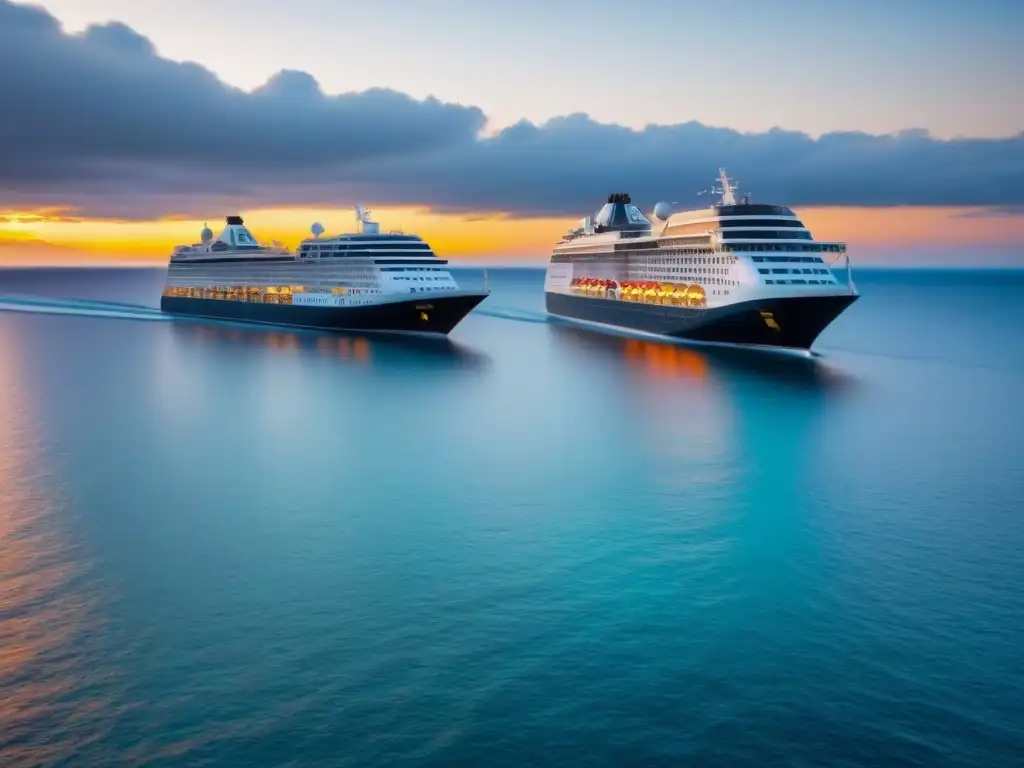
(34, 237)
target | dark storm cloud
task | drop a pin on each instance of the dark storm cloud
(99, 123)
(570, 160)
(78, 101)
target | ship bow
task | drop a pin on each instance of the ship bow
(792, 322)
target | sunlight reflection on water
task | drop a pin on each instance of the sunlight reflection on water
(46, 708)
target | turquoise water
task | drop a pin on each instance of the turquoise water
(531, 545)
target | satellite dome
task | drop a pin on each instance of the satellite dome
(317, 229)
(662, 211)
(207, 234)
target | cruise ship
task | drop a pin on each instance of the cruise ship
(365, 281)
(736, 272)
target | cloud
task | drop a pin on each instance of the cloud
(18, 249)
(98, 124)
(37, 217)
(992, 212)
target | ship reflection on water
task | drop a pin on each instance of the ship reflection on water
(367, 350)
(665, 360)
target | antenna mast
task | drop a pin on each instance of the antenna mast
(728, 188)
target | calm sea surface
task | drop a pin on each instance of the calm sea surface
(531, 545)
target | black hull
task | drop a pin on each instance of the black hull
(791, 322)
(435, 314)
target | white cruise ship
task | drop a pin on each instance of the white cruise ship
(736, 272)
(365, 281)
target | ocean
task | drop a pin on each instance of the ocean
(531, 544)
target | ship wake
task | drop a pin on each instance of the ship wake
(80, 308)
(519, 315)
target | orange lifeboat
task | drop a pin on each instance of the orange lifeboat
(696, 296)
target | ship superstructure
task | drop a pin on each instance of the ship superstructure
(735, 272)
(368, 280)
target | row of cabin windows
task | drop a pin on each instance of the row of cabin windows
(814, 248)
(659, 259)
(410, 262)
(773, 223)
(659, 270)
(776, 259)
(565, 258)
(798, 282)
(754, 209)
(369, 241)
(423, 249)
(692, 270)
(676, 271)
(704, 227)
(701, 243)
(361, 284)
(696, 270)
(694, 255)
(766, 234)
(698, 260)
(413, 269)
(381, 237)
(784, 271)
(291, 269)
(361, 253)
(702, 278)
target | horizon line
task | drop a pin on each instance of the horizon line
(872, 267)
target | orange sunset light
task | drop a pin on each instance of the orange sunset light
(41, 237)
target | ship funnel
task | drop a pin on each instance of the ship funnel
(235, 235)
(619, 214)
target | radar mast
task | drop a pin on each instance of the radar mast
(727, 188)
(366, 225)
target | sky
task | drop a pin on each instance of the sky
(489, 128)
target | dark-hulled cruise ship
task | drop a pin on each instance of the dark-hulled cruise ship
(736, 273)
(368, 281)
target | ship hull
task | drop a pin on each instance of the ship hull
(792, 322)
(433, 315)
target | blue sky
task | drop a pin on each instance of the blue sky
(952, 67)
(887, 123)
